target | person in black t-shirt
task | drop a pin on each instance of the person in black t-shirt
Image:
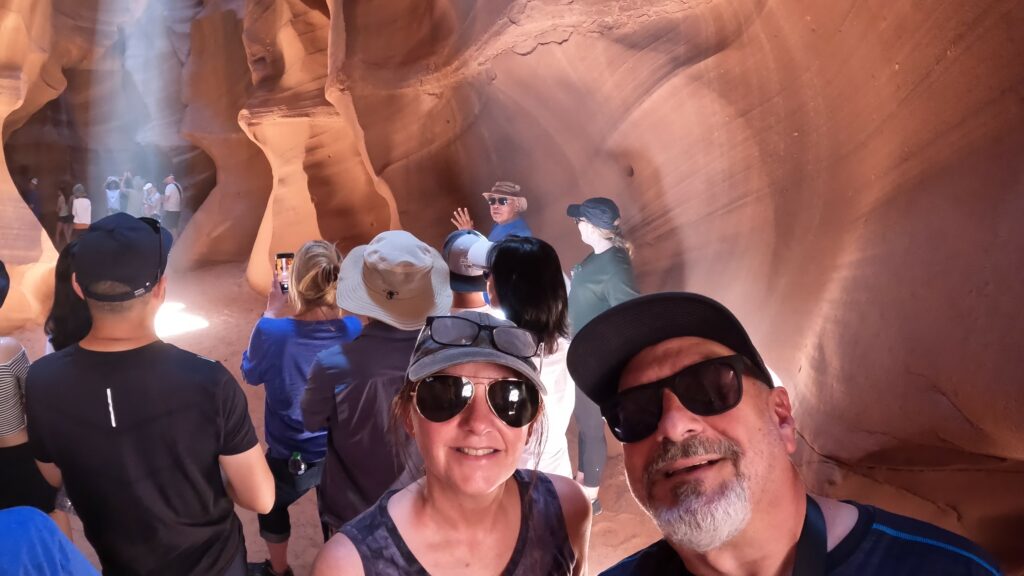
(706, 445)
(152, 442)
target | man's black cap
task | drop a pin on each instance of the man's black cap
(601, 212)
(5, 283)
(121, 248)
(600, 351)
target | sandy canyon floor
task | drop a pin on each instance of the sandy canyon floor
(219, 298)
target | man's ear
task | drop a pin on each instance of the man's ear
(76, 287)
(160, 290)
(782, 416)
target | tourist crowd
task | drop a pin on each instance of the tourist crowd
(76, 209)
(425, 396)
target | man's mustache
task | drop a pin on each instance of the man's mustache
(693, 447)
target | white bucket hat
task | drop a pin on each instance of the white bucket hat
(396, 279)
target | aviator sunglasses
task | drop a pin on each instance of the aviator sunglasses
(441, 397)
(706, 388)
(456, 331)
(499, 200)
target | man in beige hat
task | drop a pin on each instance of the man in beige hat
(395, 281)
(507, 203)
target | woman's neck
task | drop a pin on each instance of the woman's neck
(447, 507)
(601, 245)
(326, 312)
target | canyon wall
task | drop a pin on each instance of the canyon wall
(846, 176)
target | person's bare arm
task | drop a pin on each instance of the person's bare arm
(248, 480)
(51, 473)
(338, 556)
(461, 219)
(577, 511)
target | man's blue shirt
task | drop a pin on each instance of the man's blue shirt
(517, 227)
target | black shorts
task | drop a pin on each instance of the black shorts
(21, 483)
(66, 219)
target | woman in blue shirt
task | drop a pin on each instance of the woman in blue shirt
(297, 326)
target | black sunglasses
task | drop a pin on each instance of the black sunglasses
(499, 200)
(706, 388)
(155, 226)
(441, 397)
(456, 331)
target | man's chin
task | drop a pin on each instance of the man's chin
(700, 519)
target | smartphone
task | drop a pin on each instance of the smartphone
(283, 266)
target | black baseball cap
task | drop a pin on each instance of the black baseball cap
(124, 249)
(600, 351)
(5, 283)
(601, 212)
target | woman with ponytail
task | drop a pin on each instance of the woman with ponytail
(296, 327)
(602, 280)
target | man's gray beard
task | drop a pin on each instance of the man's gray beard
(701, 521)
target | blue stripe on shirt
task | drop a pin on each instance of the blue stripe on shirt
(949, 547)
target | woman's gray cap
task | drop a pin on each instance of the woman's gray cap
(429, 357)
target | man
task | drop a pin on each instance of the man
(507, 202)
(707, 441)
(466, 279)
(152, 442)
(172, 205)
(395, 281)
(114, 195)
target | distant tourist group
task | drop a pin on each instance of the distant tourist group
(75, 209)
(425, 396)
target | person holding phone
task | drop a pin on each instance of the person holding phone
(302, 319)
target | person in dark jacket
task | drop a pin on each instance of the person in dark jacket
(395, 281)
(602, 280)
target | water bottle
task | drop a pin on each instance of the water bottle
(296, 465)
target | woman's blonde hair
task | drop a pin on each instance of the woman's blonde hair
(314, 278)
(618, 240)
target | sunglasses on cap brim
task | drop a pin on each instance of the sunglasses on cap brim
(706, 388)
(441, 397)
(459, 332)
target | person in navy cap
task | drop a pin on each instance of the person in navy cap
(602, 280)
(707, 439)
(153, 444)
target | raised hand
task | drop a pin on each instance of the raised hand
(461, 219)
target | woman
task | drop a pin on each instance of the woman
(602, 280)
(297, 326)
(64, 218)
(21, 483)
(81, 211)
(152, 201)
(69, 319)
(471, 402)
(115, 200)
(526, 282)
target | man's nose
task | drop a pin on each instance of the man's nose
(677, 423)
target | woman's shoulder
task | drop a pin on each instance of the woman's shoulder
(338, 556)
(9, 349)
